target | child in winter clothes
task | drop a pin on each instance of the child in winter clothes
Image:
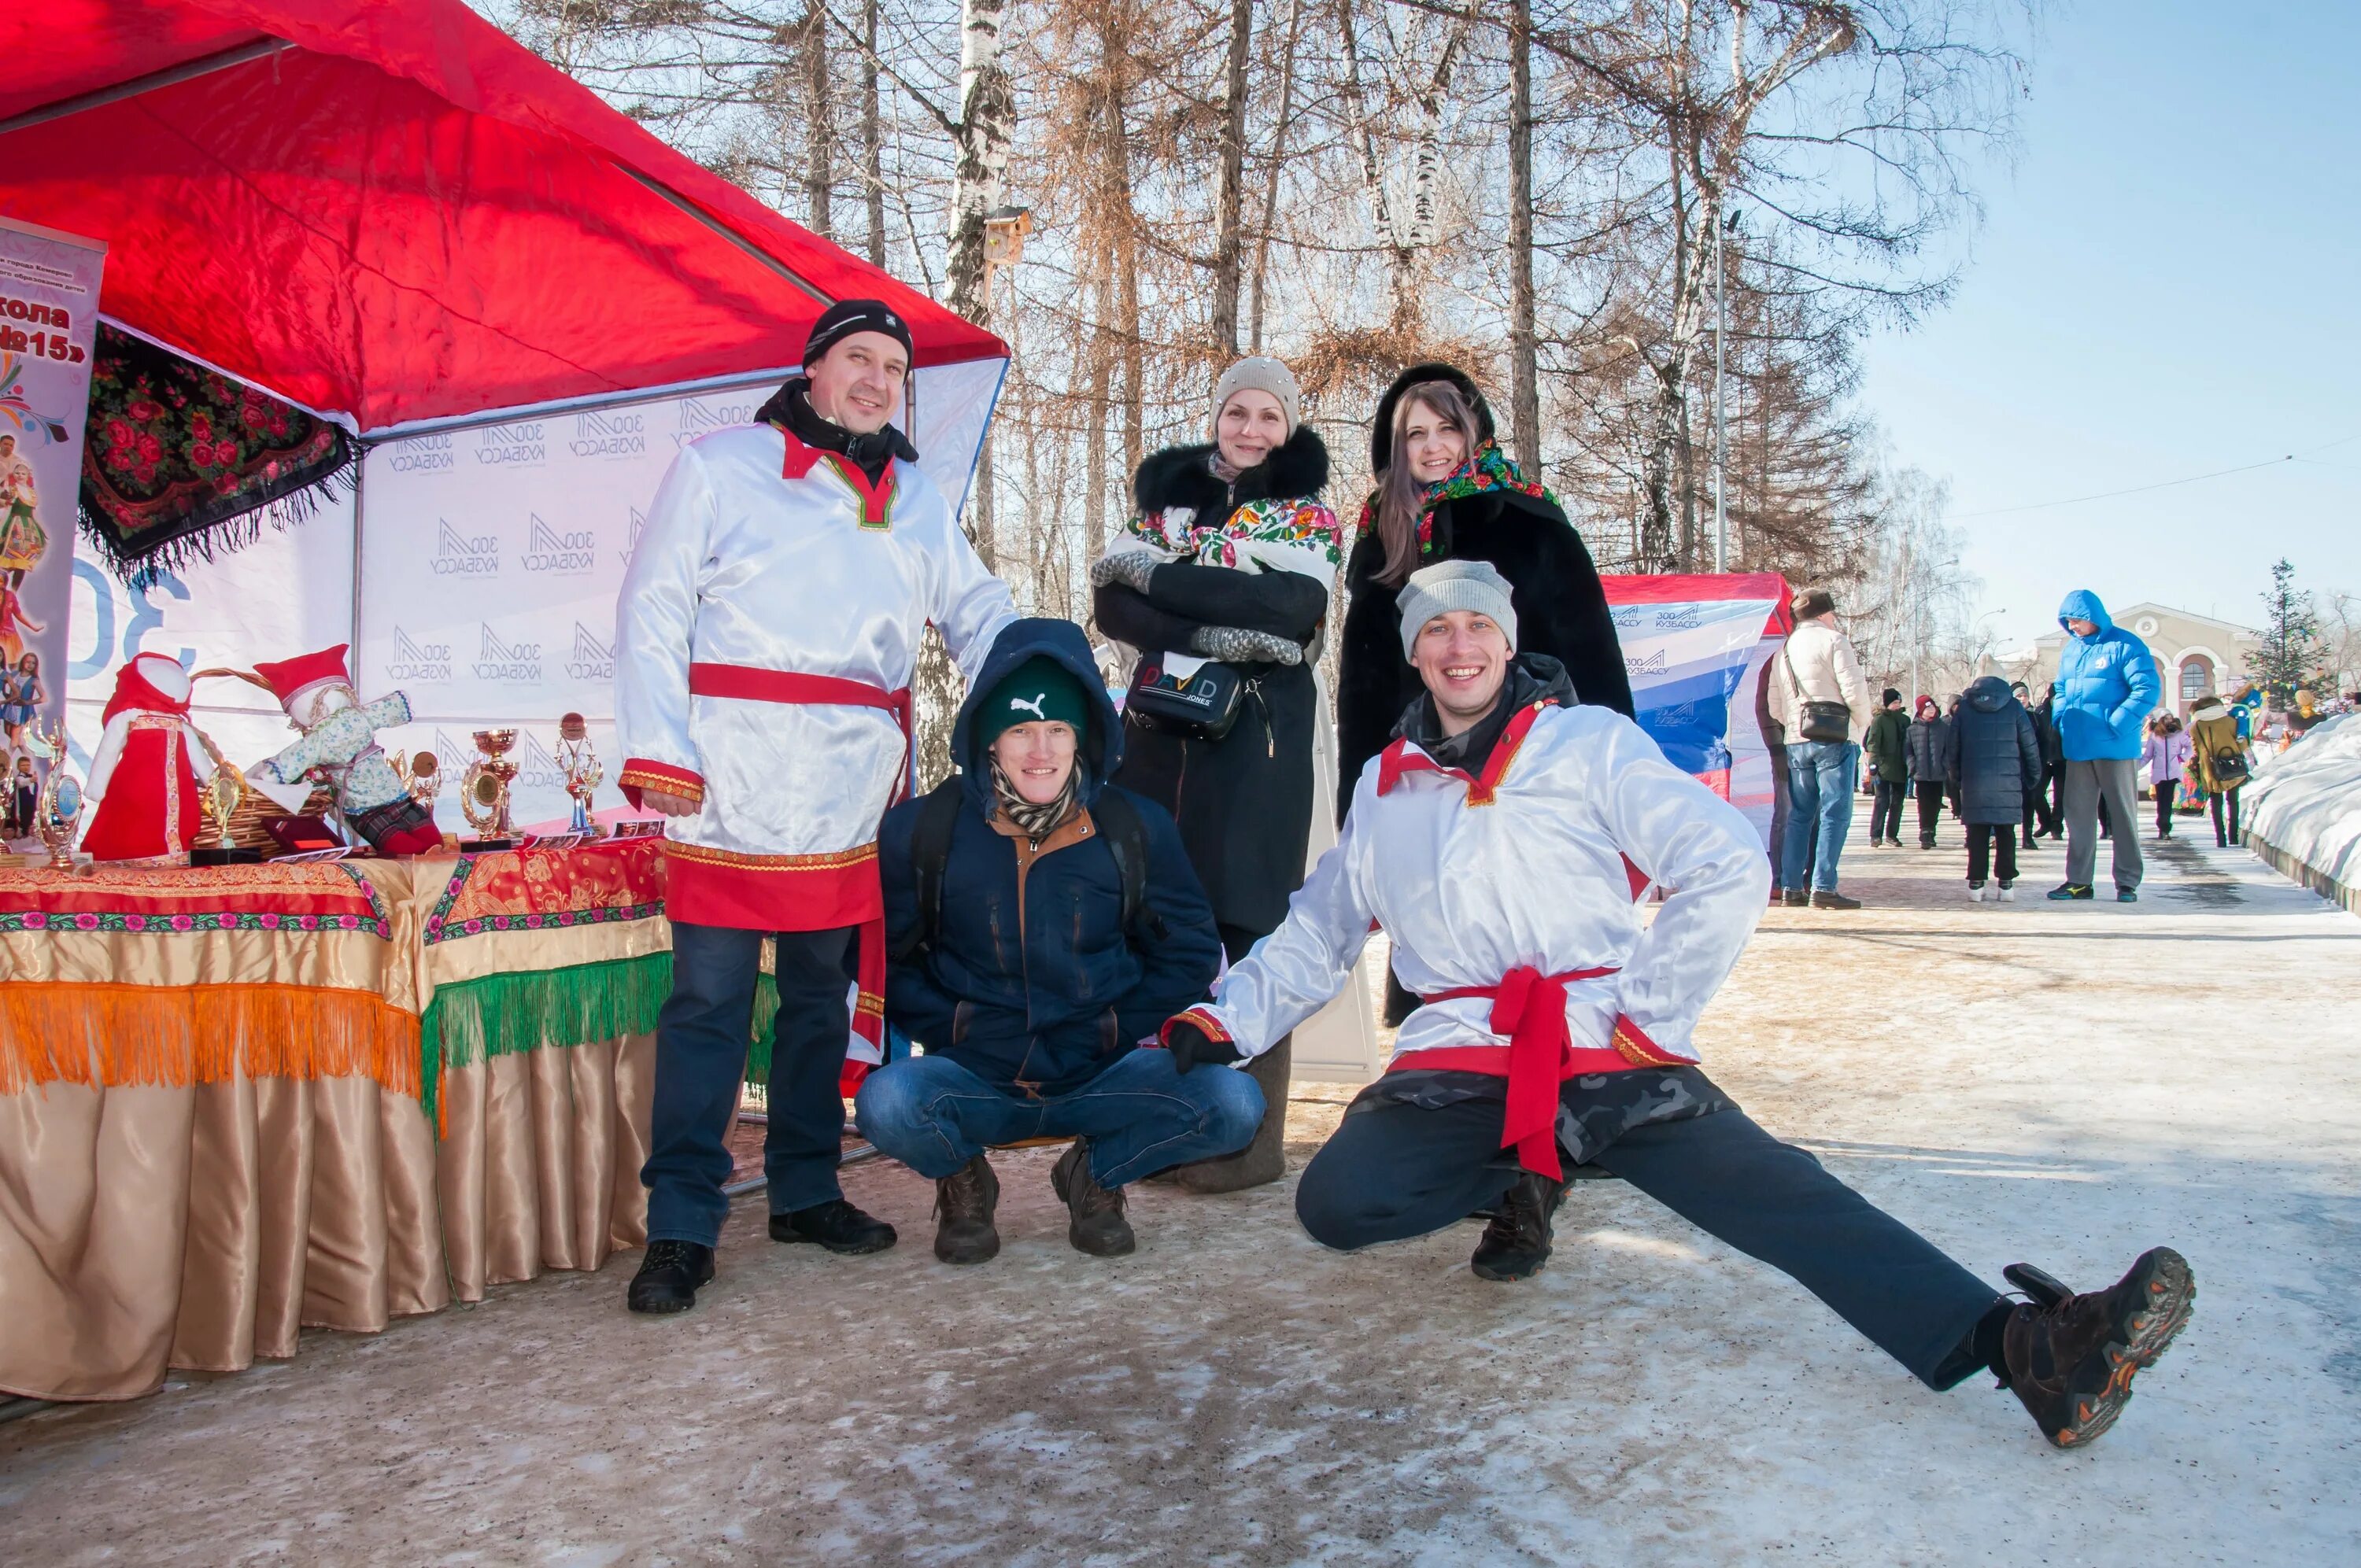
(1995, 758)
(2165, 750)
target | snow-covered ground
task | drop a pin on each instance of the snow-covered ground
(2060, 1084)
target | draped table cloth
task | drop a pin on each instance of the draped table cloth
(238, 1102)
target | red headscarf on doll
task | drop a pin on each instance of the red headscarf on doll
(150, 683)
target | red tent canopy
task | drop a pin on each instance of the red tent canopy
(388, 209)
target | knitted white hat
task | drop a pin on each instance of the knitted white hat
(1454, 584)
(1260, 373)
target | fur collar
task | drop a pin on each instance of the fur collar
(1179, 475)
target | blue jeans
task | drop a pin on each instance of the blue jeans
(1819, 789)
(702, 1036)
(1139, 1115)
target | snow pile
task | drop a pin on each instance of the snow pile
(2304, 810)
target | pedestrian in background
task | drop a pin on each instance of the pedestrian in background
(2164, 749)
(1996, 758)
(2107, 685)
(2220, 752)
(1886, 747)
(2023, 695)
(1821, 700)
(1930, 748)
(2050, 804)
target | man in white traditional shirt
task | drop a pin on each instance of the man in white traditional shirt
(1501, 841)
(766, 638)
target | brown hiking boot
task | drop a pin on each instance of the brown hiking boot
(1828, 898)
(2071, 1357)
(964, 1204)
(1098, 1226)
(1794, 898)
(1517, 1241)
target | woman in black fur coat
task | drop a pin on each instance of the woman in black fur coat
(1233, 558)
(1477, 507)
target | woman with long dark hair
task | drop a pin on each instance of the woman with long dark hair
(1445, 491)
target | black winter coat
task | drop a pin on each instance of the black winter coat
(1932, 747)
(1244, 802)
(1553, 586)
(1996, 757)
(1031, 977)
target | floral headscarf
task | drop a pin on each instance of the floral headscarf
(1486, 470)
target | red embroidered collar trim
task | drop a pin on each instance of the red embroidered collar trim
(1401, 757)
(876, 500)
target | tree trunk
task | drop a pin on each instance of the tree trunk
(873, 142)
(1278, 163)
(1231, 201)
(986, 122)
(819, 129)
(1525, 392)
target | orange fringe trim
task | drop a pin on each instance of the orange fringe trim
(111, 1036)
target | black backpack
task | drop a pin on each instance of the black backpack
(931, 847)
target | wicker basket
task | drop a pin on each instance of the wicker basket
(246, 830)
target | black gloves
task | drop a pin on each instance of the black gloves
(1190, 1045)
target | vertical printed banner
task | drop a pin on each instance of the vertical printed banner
(49, 326)
(1695, 646)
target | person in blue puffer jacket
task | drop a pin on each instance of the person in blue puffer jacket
(1023, 982)
(2107, 685)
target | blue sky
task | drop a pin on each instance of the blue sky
(2168, 283)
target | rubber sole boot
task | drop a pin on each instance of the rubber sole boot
(1829, 899)
(835, 1225)
(964, 1201)
(2072, 1358)
(1095, 1224)
(1516, 1245)
(1263, 1159)
(669, 1278)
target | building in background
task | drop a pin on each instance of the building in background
(2194, 654)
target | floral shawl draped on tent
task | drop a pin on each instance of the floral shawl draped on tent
(178, 454)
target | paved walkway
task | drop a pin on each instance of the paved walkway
(2064, 1085)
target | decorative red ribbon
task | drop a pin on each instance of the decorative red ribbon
(1530, 1008)
(747, 683)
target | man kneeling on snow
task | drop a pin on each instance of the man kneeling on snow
(1042, 922)
(1498, 840)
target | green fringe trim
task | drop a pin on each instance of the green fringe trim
(501, 1015)
(758, 1051)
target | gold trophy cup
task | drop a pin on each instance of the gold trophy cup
(59, 804)
(484, 791)
(219, 799)
(580, 766)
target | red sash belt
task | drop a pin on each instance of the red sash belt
(748, 684)
(1530, 1008)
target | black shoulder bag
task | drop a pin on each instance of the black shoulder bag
(1817, 721)
(1203, 706)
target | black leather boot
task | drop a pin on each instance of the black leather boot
(669, 1276)
(835, 1225)
(1517, 1241)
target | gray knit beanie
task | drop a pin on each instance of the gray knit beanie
(1454, 584)
(1260, 373)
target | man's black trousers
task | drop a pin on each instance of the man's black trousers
(1396, 1170)
(702, 1036)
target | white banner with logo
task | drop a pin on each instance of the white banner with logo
(48, 332)
(483, 570)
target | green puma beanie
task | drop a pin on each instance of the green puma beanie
(1038, 690)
